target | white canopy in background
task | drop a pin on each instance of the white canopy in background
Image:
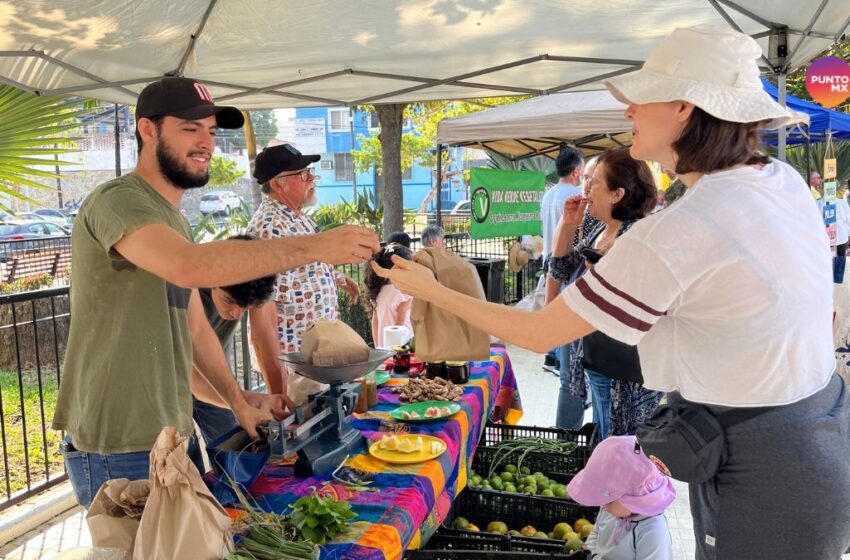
(286, 53)
(590, 120)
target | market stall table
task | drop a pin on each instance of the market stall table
(410, 501)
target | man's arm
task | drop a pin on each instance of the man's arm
(160, 250)
(208, 358)
(266, 345)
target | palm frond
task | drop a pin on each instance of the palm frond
(32, 130)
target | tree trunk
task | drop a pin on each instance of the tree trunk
(390, 118)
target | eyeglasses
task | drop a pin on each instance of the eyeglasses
(305, 174)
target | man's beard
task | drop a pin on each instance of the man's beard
(311, 200)
(176, 172)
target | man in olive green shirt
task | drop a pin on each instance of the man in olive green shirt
(137, 322)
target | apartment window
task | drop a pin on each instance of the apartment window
(343, 167)
(339, 119)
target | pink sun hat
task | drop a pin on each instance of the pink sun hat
(619, 471)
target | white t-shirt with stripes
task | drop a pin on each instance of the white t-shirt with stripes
(727, 293)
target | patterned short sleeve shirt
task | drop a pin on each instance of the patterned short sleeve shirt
(304, 294)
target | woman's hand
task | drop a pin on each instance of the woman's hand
(409, 277)
(574, 211)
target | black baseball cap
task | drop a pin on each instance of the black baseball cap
(274, 160)
(184, 98)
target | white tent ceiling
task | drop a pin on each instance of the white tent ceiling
(283, 53)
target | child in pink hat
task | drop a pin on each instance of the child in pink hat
(632, 494)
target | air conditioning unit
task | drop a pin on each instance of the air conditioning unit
(327, 165)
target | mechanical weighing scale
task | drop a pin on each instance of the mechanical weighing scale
(321, 431)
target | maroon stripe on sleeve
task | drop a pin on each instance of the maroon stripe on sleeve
(625, 296)
(609, 308)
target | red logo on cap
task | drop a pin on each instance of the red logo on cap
(203, 93)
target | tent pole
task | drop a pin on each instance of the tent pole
(780, 146)
(808, 155)
(439, 201)
(117, 144)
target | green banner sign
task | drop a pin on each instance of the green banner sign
(505, 203)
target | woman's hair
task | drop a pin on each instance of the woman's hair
(372, 281)
(709, 144)
(622, 171)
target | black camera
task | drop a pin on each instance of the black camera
(591, 255)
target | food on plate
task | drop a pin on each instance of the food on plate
(401, 445)
(422, 390)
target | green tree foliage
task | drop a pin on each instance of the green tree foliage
(33, 129)
(223, 172)
(265, 129)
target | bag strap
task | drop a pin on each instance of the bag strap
(736, 416)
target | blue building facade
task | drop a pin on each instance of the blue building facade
(331, 132)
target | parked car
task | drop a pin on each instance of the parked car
(462, 207)
(219, 202)
(60, 217)
(31, 236)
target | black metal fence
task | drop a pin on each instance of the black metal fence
(34, 332)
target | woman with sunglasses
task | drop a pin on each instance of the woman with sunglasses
(728, 296)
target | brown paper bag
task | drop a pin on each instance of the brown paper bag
(113, 517)
(333, 343)
(181, 518)
(442, 335)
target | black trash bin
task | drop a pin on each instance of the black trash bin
(491, 272)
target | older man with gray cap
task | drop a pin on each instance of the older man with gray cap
(304, 294)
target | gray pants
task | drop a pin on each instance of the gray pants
(784, 493)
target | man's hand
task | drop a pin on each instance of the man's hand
(574, 211)
(350, 287)
(277, 405)
(345, 245)
(249, 418)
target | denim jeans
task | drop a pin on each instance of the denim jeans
(570, 409)
(88, 471)
(212, 420)
(600, 393)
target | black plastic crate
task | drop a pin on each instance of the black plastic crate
(453, 544)
(517, 510)
(494, 433)
(548, 463)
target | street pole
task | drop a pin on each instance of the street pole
(117, 143)
(353, 171)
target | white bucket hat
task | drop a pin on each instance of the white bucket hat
(713, 68)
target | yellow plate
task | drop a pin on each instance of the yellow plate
(399, 458)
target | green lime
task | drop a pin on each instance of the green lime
(507, 477)
(460, 523)
(529, 480)
(525, 470)
(497, 527)
(509, 487)
(510, 468)
(476, 480)
(561, 529)
(531, 490)
(560, 491)
(540, 535)
(546, 492)
(514, 533)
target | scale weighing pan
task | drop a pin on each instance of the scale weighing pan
(331, 375)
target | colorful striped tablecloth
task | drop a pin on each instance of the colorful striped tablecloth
(413, 500)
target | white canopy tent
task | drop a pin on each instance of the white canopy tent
(277, 53)
(589, 120)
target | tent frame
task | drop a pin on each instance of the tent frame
(780, 66)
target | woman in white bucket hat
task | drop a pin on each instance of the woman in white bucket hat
(728, 296)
